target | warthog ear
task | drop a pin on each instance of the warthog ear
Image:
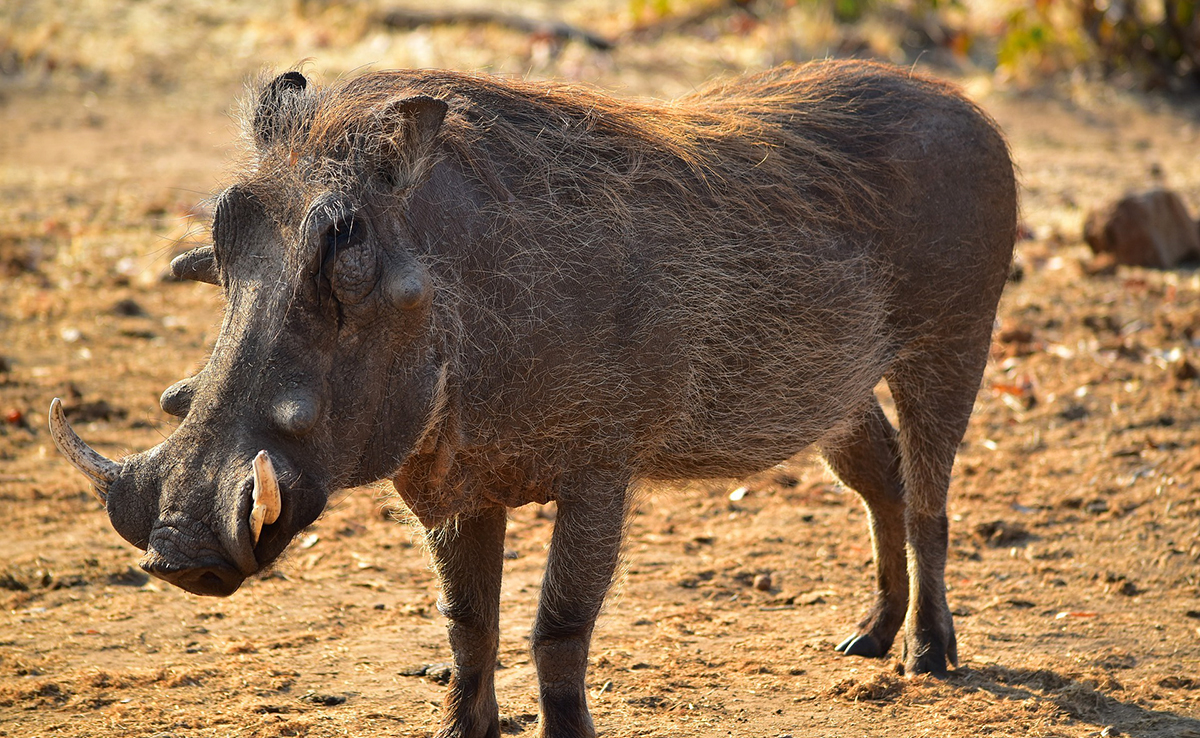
(271, 103)
(424, 113)
(198, 264)
(410, 126)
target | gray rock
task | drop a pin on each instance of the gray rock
(1151, 229)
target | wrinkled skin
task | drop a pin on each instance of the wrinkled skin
(325, 348)
(282, 378)
(371, 331)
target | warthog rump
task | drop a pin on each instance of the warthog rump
(496, 292)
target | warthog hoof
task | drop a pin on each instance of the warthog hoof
(932, 651)
(865, 645)
(486, 729)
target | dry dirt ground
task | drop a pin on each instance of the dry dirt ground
(1075, 541)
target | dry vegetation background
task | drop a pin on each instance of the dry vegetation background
(1075, 542)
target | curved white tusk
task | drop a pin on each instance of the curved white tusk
(101, 471)
(267, 502)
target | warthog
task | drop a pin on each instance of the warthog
(497, 292)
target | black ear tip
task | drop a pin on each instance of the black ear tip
(271, 102)
(289, 81)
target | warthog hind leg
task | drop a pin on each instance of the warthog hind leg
(935, 392)
(868, 461)
(583, 555)
(469, 556)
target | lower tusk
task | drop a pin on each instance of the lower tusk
(267, 502)
(101, 471)
(256, 524)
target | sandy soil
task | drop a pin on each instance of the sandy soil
(1075, 542)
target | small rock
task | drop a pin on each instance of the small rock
(1183, 370)
(438, 673)
(762, 582)
(1129, 589)
(1015, 334)
(514, 724)
(129, 308)
(812, 598)
(1074, 412)
(1109, 731)
(326, 700)
(10, 582)
(1000, 533)
(1178, 682)
(1151, 229)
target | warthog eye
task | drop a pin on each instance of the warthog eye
(345, 233)
(342, 234)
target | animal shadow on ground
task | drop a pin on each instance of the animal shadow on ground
(1079, 697)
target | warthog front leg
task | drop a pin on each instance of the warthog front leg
(469, 556)
(868, 461)
(583, 555)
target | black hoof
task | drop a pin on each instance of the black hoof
(864, 645)
(931, 664)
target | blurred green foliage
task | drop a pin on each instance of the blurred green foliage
(1154, 43)
(1157, 41)
(1150, 43)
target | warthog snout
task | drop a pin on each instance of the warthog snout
(204, 529)
(215, 560)
(209, 576)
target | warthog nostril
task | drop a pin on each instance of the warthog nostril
(210, 577)
(209, 582)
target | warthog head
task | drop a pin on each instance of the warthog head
(327, 365)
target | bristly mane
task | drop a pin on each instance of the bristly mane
(733, 144)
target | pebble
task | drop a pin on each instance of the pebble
(762, 582)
